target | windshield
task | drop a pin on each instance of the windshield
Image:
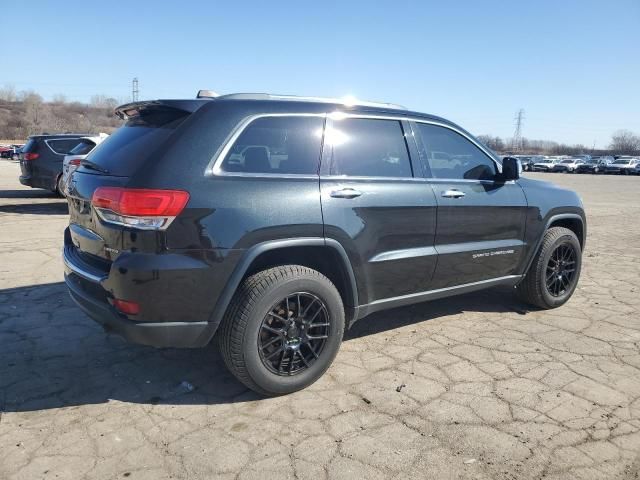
(623, 161)
(568, 161)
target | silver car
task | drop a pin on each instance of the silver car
(77, 154)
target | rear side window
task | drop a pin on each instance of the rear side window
(84, 147)
(126, 149)
(277, 145)
(450, 155)
(62, 146)
(368, 147)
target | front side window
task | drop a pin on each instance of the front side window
(450, 155)
(368, 147)
(277, 145)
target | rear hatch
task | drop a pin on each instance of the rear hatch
(148, 127)
(28, 155)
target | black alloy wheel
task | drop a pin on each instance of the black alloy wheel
(293, 333)
(561, 269)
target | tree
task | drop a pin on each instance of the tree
(494, 143)
(8, 93)
(625, 142)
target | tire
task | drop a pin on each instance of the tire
(534, 288)
(59, 190)
(250, 317)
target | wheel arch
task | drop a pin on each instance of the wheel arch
(324, 255)
(572, 221)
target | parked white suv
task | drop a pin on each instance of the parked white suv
(77, 154)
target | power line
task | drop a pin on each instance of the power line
(135, 93)
(516, 144)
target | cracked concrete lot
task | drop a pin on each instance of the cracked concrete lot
(476, 386)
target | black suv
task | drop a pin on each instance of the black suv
(277, 222)
(41, 160)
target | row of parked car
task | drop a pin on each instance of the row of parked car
(11, 151)
(625, 165)
(47, 161)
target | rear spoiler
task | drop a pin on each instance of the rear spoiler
(133, 109)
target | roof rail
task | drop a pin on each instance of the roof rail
(347, 101)
(207, 94)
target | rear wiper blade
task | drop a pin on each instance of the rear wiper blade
(93, 166)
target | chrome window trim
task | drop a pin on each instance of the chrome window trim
(214, 167)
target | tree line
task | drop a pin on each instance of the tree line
(623, 142)
(26, 113)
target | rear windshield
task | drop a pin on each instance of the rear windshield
(30, 146)
(84, 147)
(129, 147)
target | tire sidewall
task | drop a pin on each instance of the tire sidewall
(546, 255)
(258, 372)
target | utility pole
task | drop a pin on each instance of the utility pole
(134, 90)
(516, 144)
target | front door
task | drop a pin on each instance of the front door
(378, 207)
(480, 220)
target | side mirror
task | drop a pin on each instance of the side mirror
(511, 169)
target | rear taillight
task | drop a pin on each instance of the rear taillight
(75, 162)
(30, 156)
(139, 208)
(125, 306)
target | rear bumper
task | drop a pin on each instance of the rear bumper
(26, 180)
(86, 290)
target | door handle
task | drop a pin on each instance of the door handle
(453, 193)
(346, 193)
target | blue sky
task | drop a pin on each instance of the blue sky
(574, 66)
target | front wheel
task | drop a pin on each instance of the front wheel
(554, 273)
(282, 330)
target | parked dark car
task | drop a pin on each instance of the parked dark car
(41, 160)
(594, 165)
(277, 222)
(528, 161)
(622, 165)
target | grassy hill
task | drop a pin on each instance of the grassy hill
(31, 115)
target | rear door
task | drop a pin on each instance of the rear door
(26, 166)
(480, 220)
(378, 206)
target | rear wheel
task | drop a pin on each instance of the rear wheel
(59, 187)
(554, 273)
(282, 330)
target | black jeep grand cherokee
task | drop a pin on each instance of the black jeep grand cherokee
(279, 221)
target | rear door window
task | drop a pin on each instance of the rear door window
(62, 146)
(277, 145)
(368, 147)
